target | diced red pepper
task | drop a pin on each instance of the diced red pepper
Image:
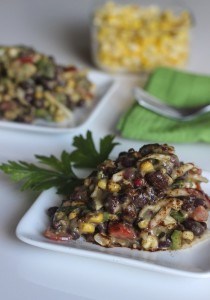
(121, 231)
(138, 182)
(70, 69)
(26, 59)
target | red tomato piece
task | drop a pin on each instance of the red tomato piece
(121, 231)
(56, 236)
(200, 214)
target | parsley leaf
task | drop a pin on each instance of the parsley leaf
(86, 155)
(38, 179)
(58, 172)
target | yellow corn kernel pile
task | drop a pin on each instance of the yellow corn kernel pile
(134, 38)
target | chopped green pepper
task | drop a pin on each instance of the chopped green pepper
(46, 68)
(106, 216)
(177, 215)
(176, 239)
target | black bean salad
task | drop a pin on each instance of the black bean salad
(33, 86)
(146, 200)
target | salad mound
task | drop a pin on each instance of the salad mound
(33, 86)
(147, 200)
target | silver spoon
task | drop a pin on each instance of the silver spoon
(154, 104)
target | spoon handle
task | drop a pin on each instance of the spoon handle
(152, 103)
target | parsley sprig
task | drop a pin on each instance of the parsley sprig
(86, 155)
(58, 172)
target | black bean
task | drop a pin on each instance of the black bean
(51, 211)
(26, 51)
(188, 207)
(156, 148)
(127, 161)
(29, 97)
(80, 193)
(174, 159)
(198, 202)
(3, 72)
(129, 173)
(131, 150)
(27, 84)
(74, 234)
(112, 204)
(147, 149)
(38, 80)
(180, 227)
(140, 200)
(123, 153)
(38, 103)
(161, 235)
(102, 227)
(51, 58)
(80, 103)
(69, 103)
(164, 244)
(194, 226)
(144, 195)
(191, 202)
(124, 198)
(130, 212)
(204, 225)
(56, 225)
(158, 180)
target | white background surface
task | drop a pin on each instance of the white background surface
(60, 28)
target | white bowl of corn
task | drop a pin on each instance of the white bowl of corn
(135, 38)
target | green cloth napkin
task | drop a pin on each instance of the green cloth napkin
(177, 88)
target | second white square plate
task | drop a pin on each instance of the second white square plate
(105, 86)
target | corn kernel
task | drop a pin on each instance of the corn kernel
(87, 181)
(102, 184)
(38, 94)
(73, 214)
(150, 243)
(143, 224)
(146, 167)
(59, 89)
(86, 228)
(188, 235)
(71, 84)
(114, 187)
(96, 218)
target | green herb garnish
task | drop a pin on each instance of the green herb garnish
(58, 172)
(86, 155)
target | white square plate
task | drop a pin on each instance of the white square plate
(105, 86)
(191, 262)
